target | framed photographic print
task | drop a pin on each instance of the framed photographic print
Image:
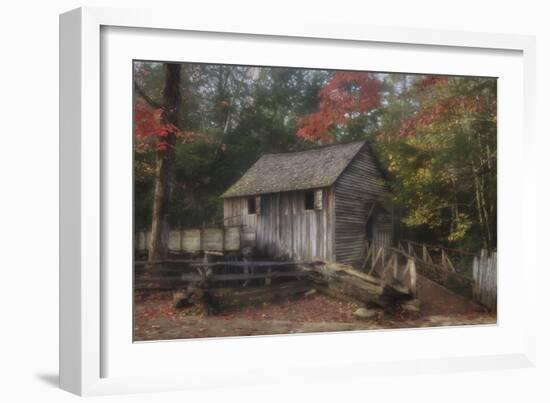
(236, 196)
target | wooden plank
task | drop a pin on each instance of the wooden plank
(174, 240)
(318, 199)
(450, 264)
(232, 238)
(426, 255)
(141, 240)
(139, 263)
(410, 249)
(444, 260)
(439, 247)
(484, 288)
(194, 277)
(249, 263)
(345, 279)
(368, 255)
(268, 279)
(191, 241)
(212, 239)
(375, 260)
(252, 276)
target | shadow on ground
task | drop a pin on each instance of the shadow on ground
(49, 379)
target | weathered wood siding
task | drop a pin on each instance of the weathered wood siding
(284, 228)
(355, 189)
(382, 232)
(235, 213)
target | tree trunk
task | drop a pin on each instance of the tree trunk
(164, 168)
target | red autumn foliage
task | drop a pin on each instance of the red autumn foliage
(151, 131)
(430, 80)
(446, 108)
(433, 113)
(348, 93)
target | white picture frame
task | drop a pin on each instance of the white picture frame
(88, 332)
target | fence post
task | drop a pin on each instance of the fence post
(484, 272)
(412, 274)
(495, 279)
(475, 275)
(425, 255)
(268, 279)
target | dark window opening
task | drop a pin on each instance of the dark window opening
(310, 200)
(251, 205)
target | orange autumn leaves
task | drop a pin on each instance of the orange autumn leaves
(345, 96)
(349, 95)
(441, 105)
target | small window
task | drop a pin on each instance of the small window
(310, 200)
(251, 205)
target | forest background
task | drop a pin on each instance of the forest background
(199, 127)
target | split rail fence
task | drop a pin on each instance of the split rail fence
(173, 274)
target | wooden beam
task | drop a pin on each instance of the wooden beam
(450, 263)
(411, 250)
(426, 255)
(375, 260)
(369, 253)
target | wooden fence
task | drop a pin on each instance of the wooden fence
(485, 279)
(384, 261)
(476, 276)
(230, 284)
(221, 285)
(196, 240)
(173, 274)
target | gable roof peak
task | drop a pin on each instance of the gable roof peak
(316, 167)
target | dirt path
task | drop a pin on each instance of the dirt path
(438, 300)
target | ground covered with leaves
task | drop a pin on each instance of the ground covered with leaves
(155, 317)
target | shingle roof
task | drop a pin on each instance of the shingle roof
(315, 168)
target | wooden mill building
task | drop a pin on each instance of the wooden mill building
(322, 203)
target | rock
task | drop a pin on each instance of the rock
(412, 305)
(180, 299)
(364, 313)
(310, 292)
(195, 294)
